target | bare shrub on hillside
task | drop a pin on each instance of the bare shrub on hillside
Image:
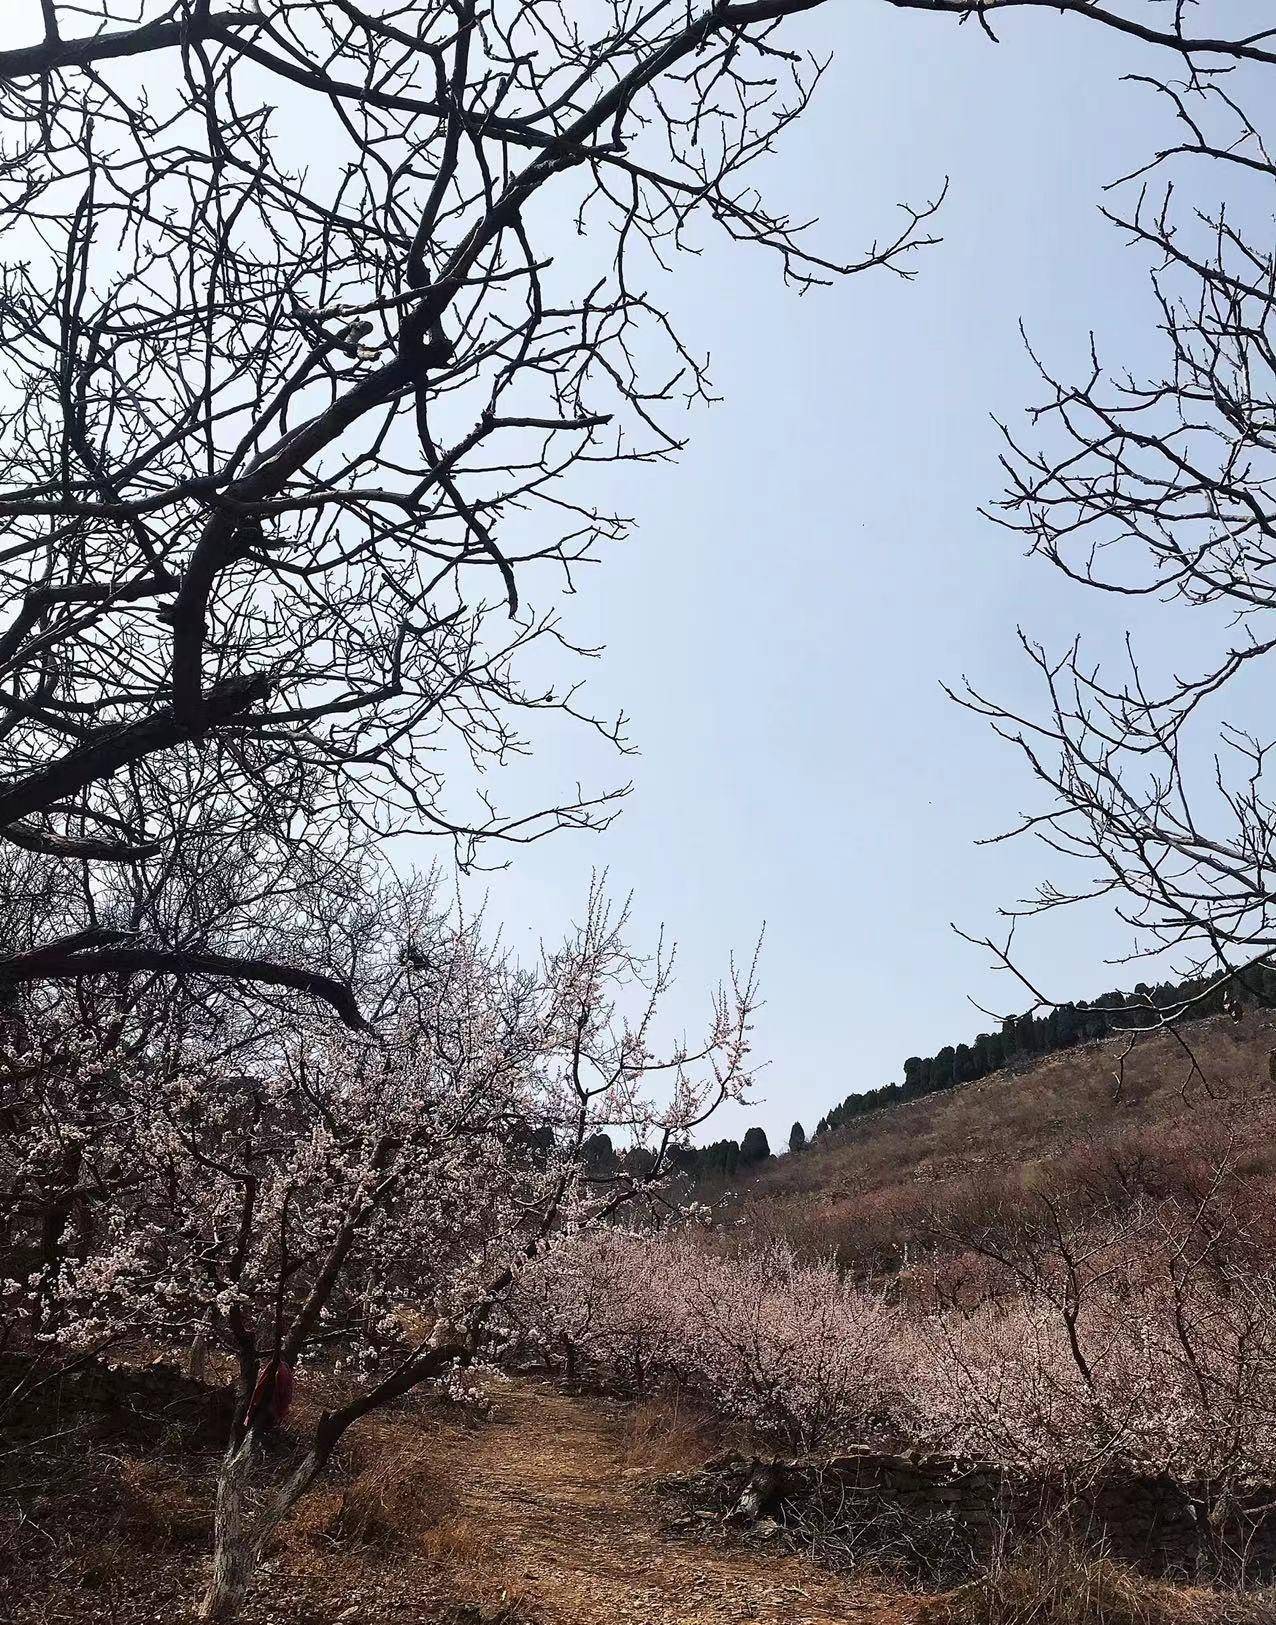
(884, 1191)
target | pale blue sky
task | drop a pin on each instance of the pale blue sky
(804, 579)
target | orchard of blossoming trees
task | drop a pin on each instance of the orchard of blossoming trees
(1139, 1335)
(288, 445)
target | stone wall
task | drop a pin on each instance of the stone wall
(1160, 1524)
(148, 1404)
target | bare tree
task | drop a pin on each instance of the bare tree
(297, 389)
(317, 319)
(1162, 484)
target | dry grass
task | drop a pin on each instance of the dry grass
(399, 1493)
(1055, 1582)
(871, 1189)
(159, 1505)
(668, 1435)
(1052, 1583)
(90, 1532)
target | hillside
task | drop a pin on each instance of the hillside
(870, 1189)
(546, 1505)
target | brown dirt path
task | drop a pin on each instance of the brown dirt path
(580, 1544)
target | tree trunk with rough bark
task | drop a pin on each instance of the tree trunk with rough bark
(233, 1550)
(239, 1532)
(197, 1358)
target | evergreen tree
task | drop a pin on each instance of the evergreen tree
(797, 1137)
(1058, 1028)
(685, 1158)
(599, 1155)
(754, 1147)
(638, 1161)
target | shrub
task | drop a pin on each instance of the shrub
(1051, 1582)
(1139, 1340)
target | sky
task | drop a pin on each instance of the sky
(813, 569)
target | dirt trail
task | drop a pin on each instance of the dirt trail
(583, 1546)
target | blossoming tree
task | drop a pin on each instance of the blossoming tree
(372, 1202)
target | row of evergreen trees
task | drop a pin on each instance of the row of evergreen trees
(1022, 1038)
(1025, 1037)
(722, 1159)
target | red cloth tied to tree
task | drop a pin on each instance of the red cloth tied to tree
(271, 1397)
